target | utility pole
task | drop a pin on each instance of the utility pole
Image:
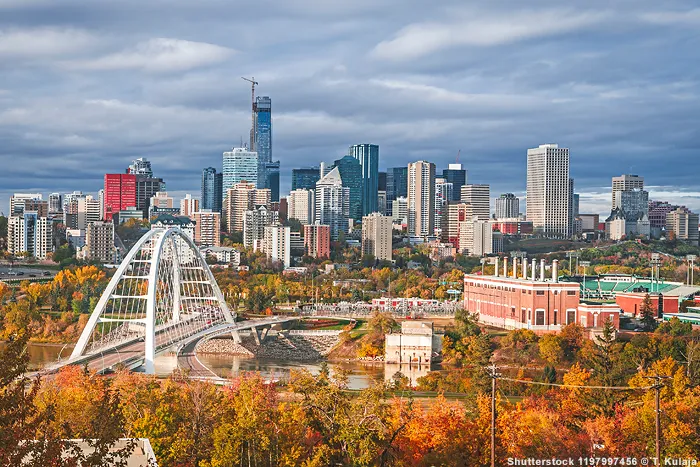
(657, 401)
(494, 375)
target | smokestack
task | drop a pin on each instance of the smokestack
(524, 268)
(515, 268)
(542, 278)
(495, 270)
(505, 267)
(534, 268)
(555, 271)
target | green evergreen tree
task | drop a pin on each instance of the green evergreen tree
(647, 314)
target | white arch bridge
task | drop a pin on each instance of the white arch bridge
(162, 297)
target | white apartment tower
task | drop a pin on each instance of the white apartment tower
(548, 190)
(376, 236)
(188, 205)
(479, 196)
(30, 233)
(333, 203)
(421, 199)
(507, 206)
(254, 223)
(276, 244)
(301, 206)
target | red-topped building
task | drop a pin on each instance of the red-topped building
(120, 193)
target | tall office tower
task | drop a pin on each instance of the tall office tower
(548, 189)
(333, 203)
(399, 210)
(572, 217)
(657, 213)
(381, 202)
(634, 203)
(99, 242)
(507, 206)
(272, 179)
(39, 206)
(317, 240)
(207, 228)
(17, 202)
(443, 195)
(55, 204)
(254, 222)
(421, 199)
(300, 206)
(457, 176)
(368, 157)
(120, 194)
(240, 165)
(376, 236)
(452, 225)
(263, 128)
(189, 205)
(684, 224)
(483, 238)
(80, 211)
(381, 184)
(141, 166)
(396, 185)
(30, 233)
(212, 189)
(241, 198)
(277, 244)
(350, 172)
(305, 178)
(146, 188)
(623, 183)
(479, 196)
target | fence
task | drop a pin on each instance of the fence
(363, 310)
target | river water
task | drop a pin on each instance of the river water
(360, 374)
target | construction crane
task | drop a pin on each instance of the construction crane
(252, 107)
(457, 159)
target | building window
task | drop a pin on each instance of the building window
(556, 316)
(539, 317)
(570, 292)
(540, 292)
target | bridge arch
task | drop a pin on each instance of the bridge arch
(162, 293)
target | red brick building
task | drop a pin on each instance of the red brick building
(317, 240)
(536, 303)
(120, 193)
(631, 302)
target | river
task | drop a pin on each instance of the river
(360, 374)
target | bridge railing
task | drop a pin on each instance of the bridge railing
(361, 309)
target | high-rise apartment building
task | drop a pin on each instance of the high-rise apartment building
(300, 206)
(80, 211)
(483, 238)
(421, 199)
(548, 190)
(333, 203)
(368, 157)
(55, 203)
(443, 195)
(457, 176)
(658, 210)
(146, 188)
(305, 178)
(317, 240)
(254, 222)
(30, 233)
(17, 202)
(120, 194)
(507, 206)
(684, 225)
(381, 202)
(189, 205)
(212, 190)
(241, 198)
(277, 244)
(350, 172)
(399, 210)
(141, 166)
(240, 165)
(207, 230)
(479, 196)
(99, 242)
(39, 206)
(452, 226)
(623, 183)
(376, 236)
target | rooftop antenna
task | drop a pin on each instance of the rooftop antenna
(252, 107)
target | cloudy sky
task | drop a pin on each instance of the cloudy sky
(86, 86)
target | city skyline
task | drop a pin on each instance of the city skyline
(81, 103)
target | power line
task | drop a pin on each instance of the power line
(541, 383)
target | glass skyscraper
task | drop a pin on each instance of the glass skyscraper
(305, 178)
(212, 194)
(350, 172)
(239, 165)
(268, 171)
(368, 156)
(457, 176)
(396, 185)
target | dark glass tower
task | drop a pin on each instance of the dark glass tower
(351, 174)
(368, 156)
(382, 181)
(305, 178)
(212, 184)
(268, 171)
(457, 176)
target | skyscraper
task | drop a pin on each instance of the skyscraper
(625, 182)
(254, 222)
(333, 203)
(55, 205)
(443, 195)
(189, 205)
(240, 165)
(350, 172)
(368, 156)
(317, 240)
(507, 206)
(120, 193)
(277, 243)
(479, 196)
(300, 206)
(241, 198)
(421, 199)
(146, 188)
(207, 228)
(305, 178)
(268, 170)
(28, 232)
(548, 189)
(457, 176)
(211, 191)
(396, 185)
(140, 166)
(272, 179)
(376, 236)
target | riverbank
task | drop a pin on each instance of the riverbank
(279, 346)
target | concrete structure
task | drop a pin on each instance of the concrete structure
(317, 240)
(381, 203)
(589, 222)
(399, 209)
(241, 198)
(305, 178)
(548, 190)
(440, 251)
(507, 206)
(99, 242)
(301, 206)
(239, 165)
(223, 254)
(296, 244)
(376, 236)
(658, 210)
(368, 157)
(513, 226)
(333, 203)
(421, 199)
(254, 223)
(31, 234)
(127, 214)
(189, 205)
(479, 196)
(212, 190)
(207, 228)
(625, 182)
(80, 210)
(76, 238)
(452, 224)
(268, 170)
(160, 200)
(416, 343)
(276, 244)
(684, 225)
(119, 194)
(55, 204)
